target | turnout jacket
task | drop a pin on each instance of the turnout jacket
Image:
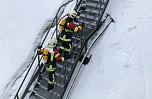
(67, 25)
(51, 57)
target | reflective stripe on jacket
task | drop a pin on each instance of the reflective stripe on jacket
(63, 38)
(66, 49)
(54, 56)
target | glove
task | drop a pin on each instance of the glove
(82, 25)
(78, 13)
(39, 52)
(39, 47)
(62, 58)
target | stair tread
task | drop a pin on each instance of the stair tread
(42, 92)
(89, 13)
(57, 88)
(82, 15)
(44, 82)
(91, 24)
(59, 78)
(88, 19)
(97, 5)
(93, 1)
(35, 97)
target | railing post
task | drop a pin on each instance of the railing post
(56, 26)
(39, 60)
(17, 96)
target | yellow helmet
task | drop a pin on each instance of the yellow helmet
(52, 43)
(72, 14)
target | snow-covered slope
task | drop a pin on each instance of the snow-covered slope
(20, 23)
(121, 66)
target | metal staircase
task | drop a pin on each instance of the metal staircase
(91, 17)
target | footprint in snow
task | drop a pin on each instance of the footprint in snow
(131, 28)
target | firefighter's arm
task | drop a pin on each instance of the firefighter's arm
(58, 56)
(61, 25)
(78, 28)
(74, 27)
(60, 59)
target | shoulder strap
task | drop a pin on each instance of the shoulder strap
(52, 56)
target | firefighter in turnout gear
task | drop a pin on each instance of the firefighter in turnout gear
(67, 26)
(50, 56)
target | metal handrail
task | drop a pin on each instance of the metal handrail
(47, 32)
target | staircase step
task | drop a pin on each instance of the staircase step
(57, 90)
(91, 10)
(62, 76)
(91, 13)
(41, 91)
(33, 96)
(87, 29)
(93, 1)
(44, 83)
(76, 44)
(58, 71)
(76, 48)
(82, 16)
(93, 6)
(59, 78)
(88, 19)
(61, 65)
(76, 37)
(89, 24)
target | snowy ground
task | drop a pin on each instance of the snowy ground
(121, 66)
(20, 23)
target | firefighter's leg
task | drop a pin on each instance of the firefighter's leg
(68, 47)
(65, 48)
(61, 48)
(51, 79)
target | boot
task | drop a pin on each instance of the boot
(50, 87)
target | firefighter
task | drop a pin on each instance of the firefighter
(50, 56)
(67, 26)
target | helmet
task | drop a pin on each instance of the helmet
(52, 43)
(72, 14)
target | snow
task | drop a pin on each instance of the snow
(120, 67)
(21, 21)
